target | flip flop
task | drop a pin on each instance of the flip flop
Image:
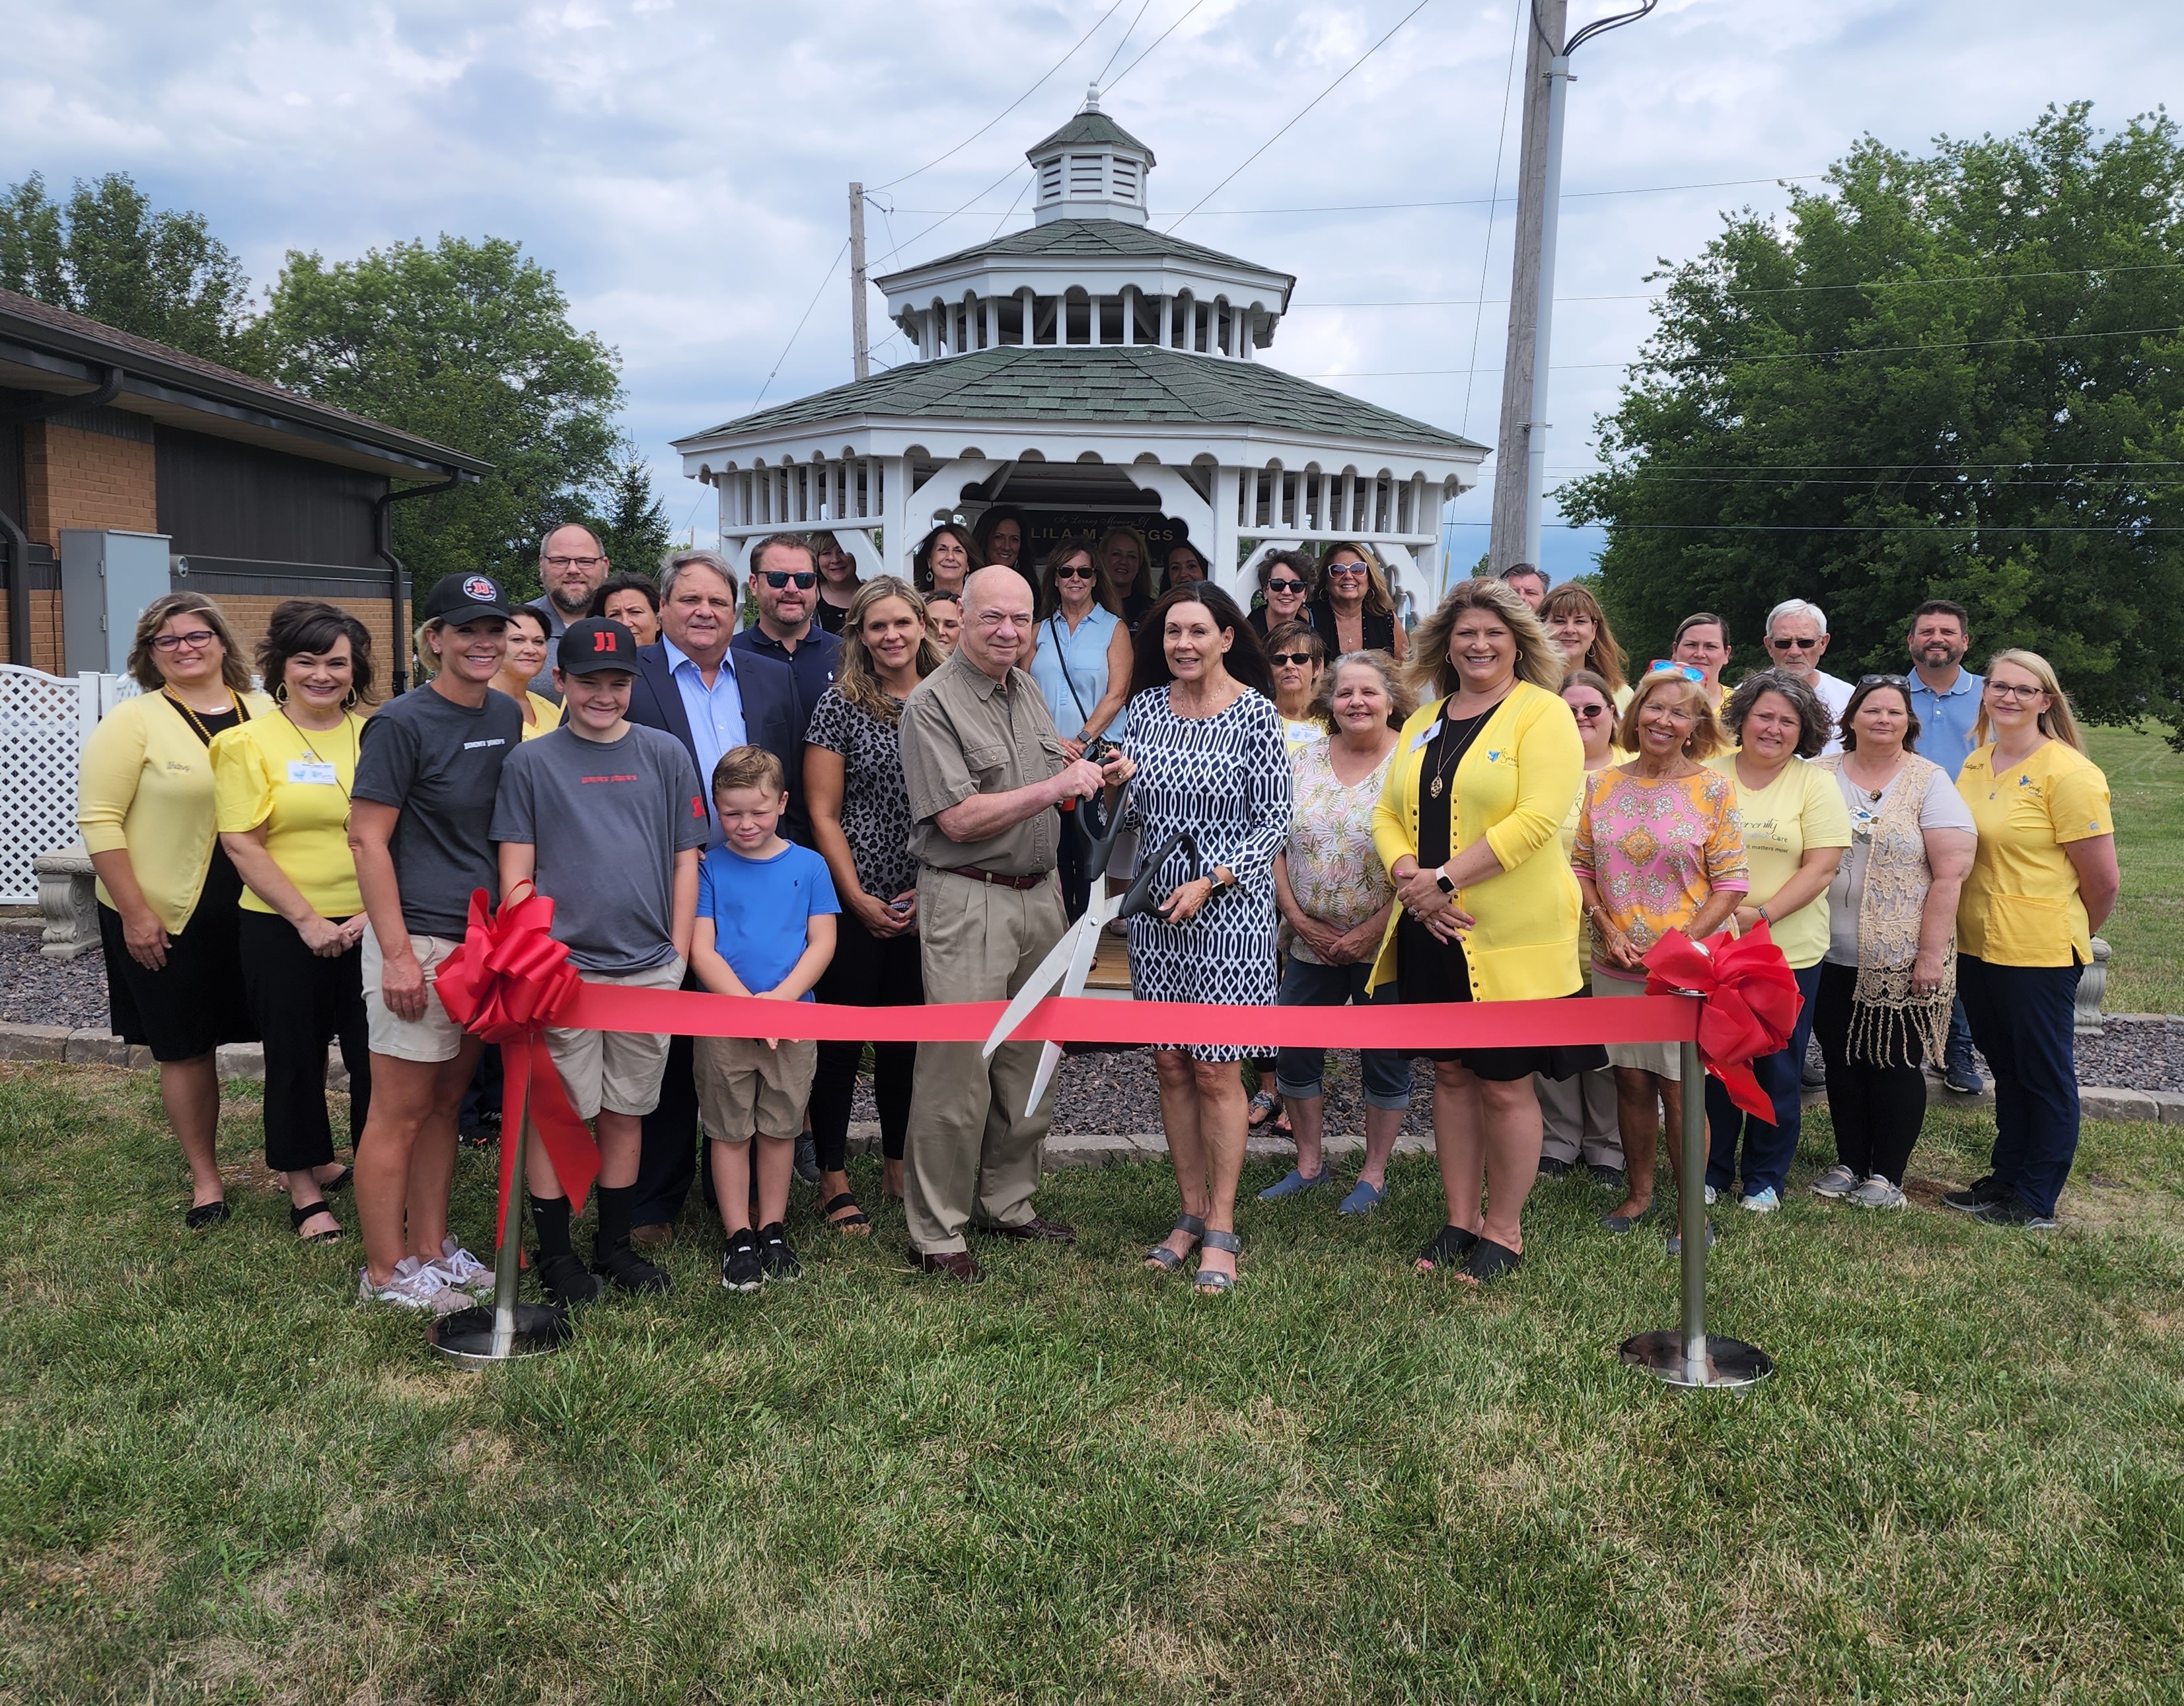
(1265, 1104)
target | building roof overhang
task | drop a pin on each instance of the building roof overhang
(1096, 254)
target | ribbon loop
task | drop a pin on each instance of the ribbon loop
(1752, 1004)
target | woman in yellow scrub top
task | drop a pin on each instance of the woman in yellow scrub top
(526, 656)
(2044, 880)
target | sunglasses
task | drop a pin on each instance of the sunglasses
(1074, 571)
(196, 640)
(1791, 645)
(1285, 586)
(1346, 567)
(1883, 681)
(1666, 666)
(778, 578)
(1589, 712)
(1300, 659)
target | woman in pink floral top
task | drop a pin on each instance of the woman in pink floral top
(1659, 847)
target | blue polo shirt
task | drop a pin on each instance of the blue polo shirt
(1946, 720)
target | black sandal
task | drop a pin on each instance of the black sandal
(1212, 1282)
(207, 1214)
(1447, 1246)
(1165, 1259)
(299, 1212)
(339, 1181)
(856, 1224)
(1489, 1262)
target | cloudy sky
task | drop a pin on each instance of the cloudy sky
(682, 165)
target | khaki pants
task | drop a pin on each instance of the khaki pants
(1576, 1118)
(974, 1153)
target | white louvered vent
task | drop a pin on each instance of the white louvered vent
(1126, 180)
(1050, 181)
(1087, 175)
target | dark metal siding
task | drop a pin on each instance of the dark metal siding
(218, 498)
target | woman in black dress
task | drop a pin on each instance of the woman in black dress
(1353, 609)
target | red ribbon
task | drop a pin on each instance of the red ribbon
(508, 981)
(1752, 1004)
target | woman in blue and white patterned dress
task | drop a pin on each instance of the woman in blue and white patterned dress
(1207, 740)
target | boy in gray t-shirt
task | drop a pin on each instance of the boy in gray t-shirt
(608, 820)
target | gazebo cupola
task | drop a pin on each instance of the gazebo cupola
(1091, 168)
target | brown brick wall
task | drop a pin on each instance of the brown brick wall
(77, 479)
(45, 630)
(247, 614)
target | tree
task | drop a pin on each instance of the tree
(632, 526)
(108, 256)
(468, 344)
(1955, 376)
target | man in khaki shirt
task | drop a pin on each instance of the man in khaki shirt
(986, 772)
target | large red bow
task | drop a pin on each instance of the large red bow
(508, 981)
(1752, 1004)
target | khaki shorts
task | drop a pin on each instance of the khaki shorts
(618, 1071)
(1665, 1059)
(744, 1087)
(435, 1037)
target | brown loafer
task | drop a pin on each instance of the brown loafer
(1034, 1231)
(956, 1264)
(657, 1237)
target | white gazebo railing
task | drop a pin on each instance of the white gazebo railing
(44, 721)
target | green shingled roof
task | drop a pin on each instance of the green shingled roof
(1122, 384)
(1090, 129)
(1097, 237)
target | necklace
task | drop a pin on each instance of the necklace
(1452, 752)
(203, 733)
(1875, 794)
(311, 754)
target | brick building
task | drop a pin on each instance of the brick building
(260, 494)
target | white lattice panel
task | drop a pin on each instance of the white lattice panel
(43, 722)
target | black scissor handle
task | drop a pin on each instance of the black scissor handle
(1141, 896)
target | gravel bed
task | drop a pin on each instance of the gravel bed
(38, 991)
(2135, 1054)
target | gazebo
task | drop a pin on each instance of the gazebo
(1090, 367)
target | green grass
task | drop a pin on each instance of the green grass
(2146, 781)
(220, 1479)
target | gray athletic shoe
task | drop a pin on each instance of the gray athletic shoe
(1837, 1182)
(1876, 1193)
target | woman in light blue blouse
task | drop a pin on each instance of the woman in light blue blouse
(1082, 664)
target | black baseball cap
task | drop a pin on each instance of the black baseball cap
(456, 599)
(597, 644)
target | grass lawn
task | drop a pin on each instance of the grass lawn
(2146, 781)
(220, 1479)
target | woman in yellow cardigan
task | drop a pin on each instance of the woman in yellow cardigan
(1469, 825)
(168, 898)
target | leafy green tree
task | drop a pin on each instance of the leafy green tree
(1956, 376)
(632, 525)
(468, 344)
(108, 255)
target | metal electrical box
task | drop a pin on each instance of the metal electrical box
(107, 579)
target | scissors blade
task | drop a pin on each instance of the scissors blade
(1041, 984)
(1086, 943)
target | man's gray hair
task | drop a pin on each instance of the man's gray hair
(582, 527)
(1800, 608)
(672, 565)
(774, 542)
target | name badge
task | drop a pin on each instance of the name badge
(311, 773)
(1425, 737)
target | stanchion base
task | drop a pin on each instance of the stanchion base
(466, 1336)
(1729, 1362)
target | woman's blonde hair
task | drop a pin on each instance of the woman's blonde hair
(2058, 722)
(1400, 704)
(144, 666)
(1378, 599)
(1142, 585)
(858, 681)
(1604, 657)
(1705, 739)
(1430, 676)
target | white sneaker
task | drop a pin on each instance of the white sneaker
(462, 1270)
(1710, 1195)
(1765, 1201)
(413, 1285)
(1877, 1194)
(1838, 1181)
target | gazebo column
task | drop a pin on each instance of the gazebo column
(1030, 299)
(1092, 318)
(992, 306)
(1129, 298)
(1244, 344)
(1167, 321)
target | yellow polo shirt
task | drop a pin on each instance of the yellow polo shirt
(296, 782)
(2020, 905)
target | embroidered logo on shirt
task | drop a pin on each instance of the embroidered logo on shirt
(630, 778)
(472, 745)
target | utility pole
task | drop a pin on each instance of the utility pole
(857, 334)
(1520, 471)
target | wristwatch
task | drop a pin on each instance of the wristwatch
(1440, 878)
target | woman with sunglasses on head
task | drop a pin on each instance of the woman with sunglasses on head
(1796, 831)
(838, 585)
(1286, 580)
(633, 601)
(1578, 627)
(169, 895)
(2044, 880)
(524, 658)
(1354, 610)
(943, 560)
(1889, 979)
(281, 786)
(1082, 668)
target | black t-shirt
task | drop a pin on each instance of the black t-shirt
(439, 763)
(833, 618)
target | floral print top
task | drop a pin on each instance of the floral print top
(1656, 848)
(1334, 872)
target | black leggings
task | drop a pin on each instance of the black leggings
(867, 971)
(302, 1002)
(1876, 1111)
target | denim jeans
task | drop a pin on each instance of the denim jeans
(1387, 1075)
(1958, 1052)
(1768, 1150)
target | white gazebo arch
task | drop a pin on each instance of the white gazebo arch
(1089, 363)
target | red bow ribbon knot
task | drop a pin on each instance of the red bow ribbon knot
(1752, 1004)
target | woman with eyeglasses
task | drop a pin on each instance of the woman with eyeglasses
(1579, 627)
(1659, 848)
(1796, 831)
(526, 657)
(1129, 567)
(942, 560)
(1082, 668)
(2044, 880)
(169, 895)
(1286, 580)
(633, 601)
(1889, 978)
(1354, 610)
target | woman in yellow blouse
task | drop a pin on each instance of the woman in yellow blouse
(1469, 826)
(2044, 880)
(526, 657)
(167, 894)
(281, 792)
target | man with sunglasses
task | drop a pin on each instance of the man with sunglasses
(784, 581)
(1796, 640)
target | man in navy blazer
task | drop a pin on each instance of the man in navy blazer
(690, 685)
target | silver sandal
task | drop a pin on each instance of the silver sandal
(1214, 1284)
(1160, 1256)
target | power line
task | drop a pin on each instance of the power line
(1768, 527)
(1306, 107)
(1155, 41)
(1463, 202)
(1493, 206)
(1120, 44)
(808, 307)
(1008, 110)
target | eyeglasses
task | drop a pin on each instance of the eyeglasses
(2006, 690)
(196, 640)
(1296, 659)
(1589, 712)
(1669, 666)
(573, 562)
(1789, 644)
(1285, 586)
(1074, 571)
(779, 578)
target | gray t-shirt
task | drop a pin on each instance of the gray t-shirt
(1942, 809)
(440, 764)
(607, 818)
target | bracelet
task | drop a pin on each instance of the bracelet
(1762, 911)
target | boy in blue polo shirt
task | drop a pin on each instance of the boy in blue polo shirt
(766, 927)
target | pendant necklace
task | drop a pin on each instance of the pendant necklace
(195, 722)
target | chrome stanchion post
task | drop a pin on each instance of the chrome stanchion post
(1686, 1357)
(479, 1337)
